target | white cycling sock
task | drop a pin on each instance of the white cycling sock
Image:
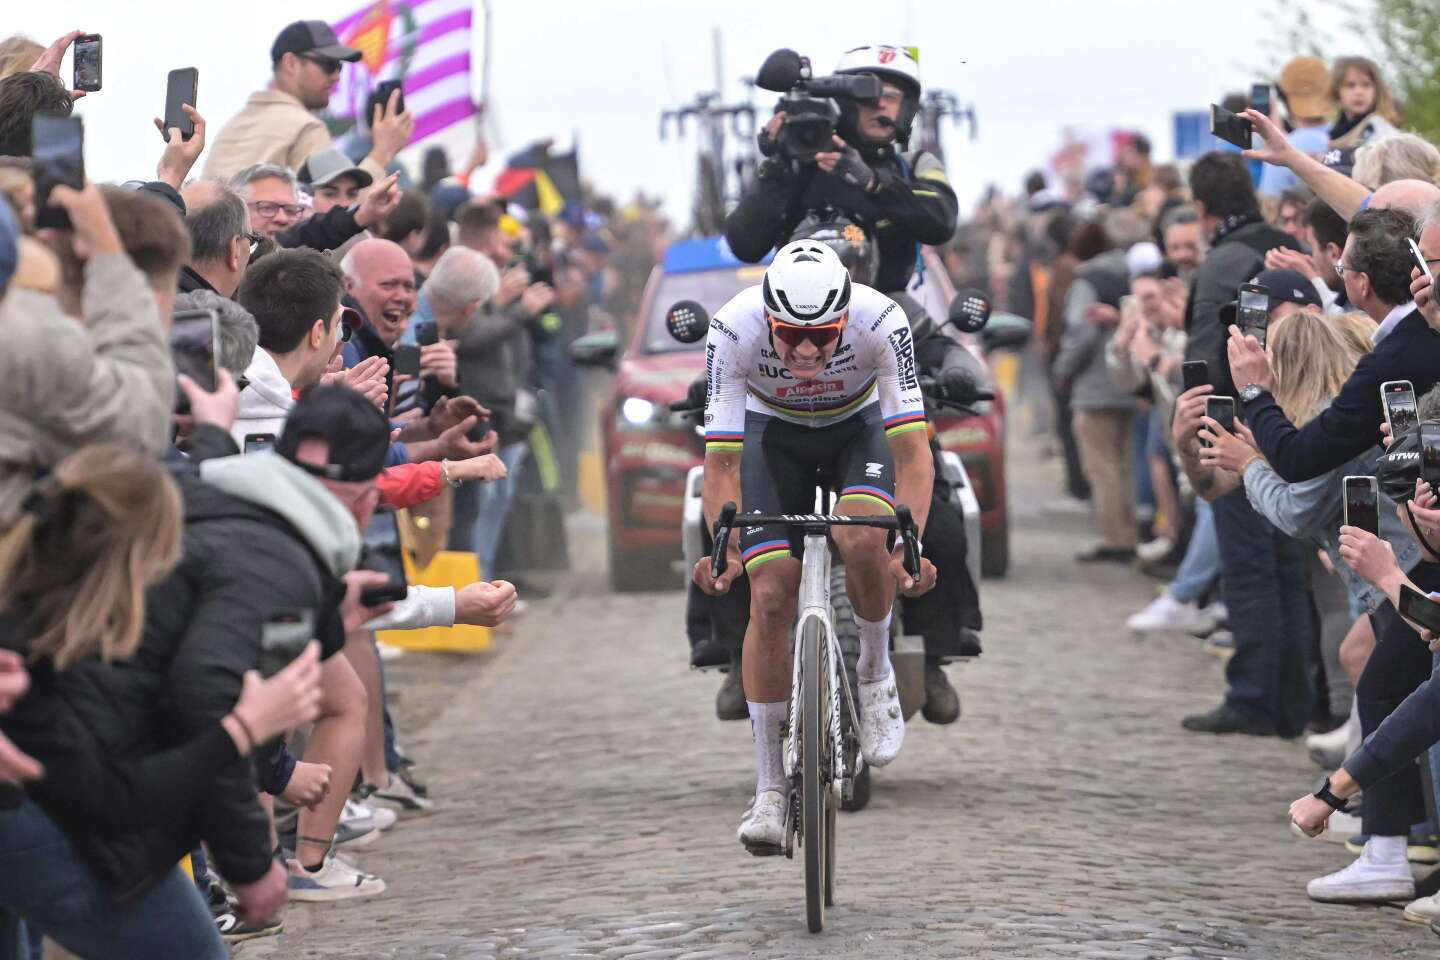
(1388, 851)
(766, 721)
(874, 661)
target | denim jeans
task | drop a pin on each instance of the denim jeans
(1262, 575)
(1201, 566)
(43, 881)
(494, 508)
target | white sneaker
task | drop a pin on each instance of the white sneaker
(400, 798)
(1165, 613)
(1424, 910)
(762, 831)
(1364, 881)
(359, 812)
(1153, 551)
(1324, 748)
(337, 880)
(882, 725)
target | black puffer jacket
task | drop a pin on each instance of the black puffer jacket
(138, 769)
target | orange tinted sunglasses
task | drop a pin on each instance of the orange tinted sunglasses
(792, 336)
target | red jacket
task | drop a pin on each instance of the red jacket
(410, 484)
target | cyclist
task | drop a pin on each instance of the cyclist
(810, 374)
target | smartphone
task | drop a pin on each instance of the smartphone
(380, 97)
(194, 344)
(283, 638)
(1253, 313)
(1222, 411)
(1362, 504)
(1418, 608)
(1230, 127)
(57, 156)
(1430, 454)
(407, 359)
(181, 87)
(1260, 98)
(87, 63)
(1398, 398)
(386, 560)
(1195, 373)
(259, 442)
(426, 333)
(1420, 260)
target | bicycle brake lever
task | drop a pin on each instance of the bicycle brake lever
(720, 559)
(907, 537)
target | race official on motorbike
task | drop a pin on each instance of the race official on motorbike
(946, 616)
(901, 198)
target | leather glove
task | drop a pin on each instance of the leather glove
(853, 169)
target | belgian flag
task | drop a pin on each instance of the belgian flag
(539, 180)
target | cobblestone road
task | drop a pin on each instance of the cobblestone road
(587, 800)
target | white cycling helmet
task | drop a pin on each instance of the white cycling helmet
(806, 285)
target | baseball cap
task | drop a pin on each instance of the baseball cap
(1283, 286)
(326, 165)
(1305, 81)
(311, 36)
(358, 434)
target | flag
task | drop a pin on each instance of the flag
(537, 179)
(425, 44)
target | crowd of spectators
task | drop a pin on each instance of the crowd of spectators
(191, 573)
(1132, 277)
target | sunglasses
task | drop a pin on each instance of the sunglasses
(792, 336)
(328, 64)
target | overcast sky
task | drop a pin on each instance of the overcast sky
(606, 70)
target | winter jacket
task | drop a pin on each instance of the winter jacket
(262, 537)
(1081, 362)
(272, 127)
(327, 231)
(64, 384)
(912, 204)
(266, 400)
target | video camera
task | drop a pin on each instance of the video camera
(808, 102)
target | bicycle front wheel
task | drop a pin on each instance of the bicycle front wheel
(814, 790)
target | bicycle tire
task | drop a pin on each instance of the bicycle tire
(814, 791)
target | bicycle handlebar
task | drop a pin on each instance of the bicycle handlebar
(903, 522)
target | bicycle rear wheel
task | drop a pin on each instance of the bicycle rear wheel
(814, 790)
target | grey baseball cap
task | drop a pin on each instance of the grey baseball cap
(327, 165)
(311, 36)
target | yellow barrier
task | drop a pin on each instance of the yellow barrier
(449, 568)
(592, 482)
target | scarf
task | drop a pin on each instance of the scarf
(1232, 223)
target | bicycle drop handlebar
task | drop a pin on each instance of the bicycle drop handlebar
(902, 522)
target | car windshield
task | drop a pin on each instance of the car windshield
(710, 288)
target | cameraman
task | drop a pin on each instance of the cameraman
(901, 197)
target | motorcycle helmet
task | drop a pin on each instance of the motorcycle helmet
(857, 251)
(898, 65)
(1399, 466)
(806, 285)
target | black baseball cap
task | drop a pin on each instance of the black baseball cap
(1283, 286)
(358, 434)
(311, 36)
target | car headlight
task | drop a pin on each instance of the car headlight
(637, 411)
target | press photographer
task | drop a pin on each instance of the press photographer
(841, 143)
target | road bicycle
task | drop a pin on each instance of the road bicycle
(822, 755)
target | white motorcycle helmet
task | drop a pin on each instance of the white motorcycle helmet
(806, 285)
(898, 65)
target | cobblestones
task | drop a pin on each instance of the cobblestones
(586, 801)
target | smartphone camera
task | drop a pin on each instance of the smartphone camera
(1362, 507)
(1222, 411)
(87, 63)
(1253, 312)
(1430, 454)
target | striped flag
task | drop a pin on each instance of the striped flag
(423, 43)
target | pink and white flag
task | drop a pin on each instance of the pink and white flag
(423, 43)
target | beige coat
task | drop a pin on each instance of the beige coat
(272, 127)
(64, 385)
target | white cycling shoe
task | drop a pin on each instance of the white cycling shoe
(763, 829)
(882, 725)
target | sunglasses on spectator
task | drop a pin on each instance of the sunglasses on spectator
(268, 208)
(328, 64)
(792, 336)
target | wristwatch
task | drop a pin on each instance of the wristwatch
(1251, 392)
(1335, 802)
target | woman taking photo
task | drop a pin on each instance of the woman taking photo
(1311, 359)
(88, 854)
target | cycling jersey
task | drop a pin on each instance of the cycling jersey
(874, 363)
